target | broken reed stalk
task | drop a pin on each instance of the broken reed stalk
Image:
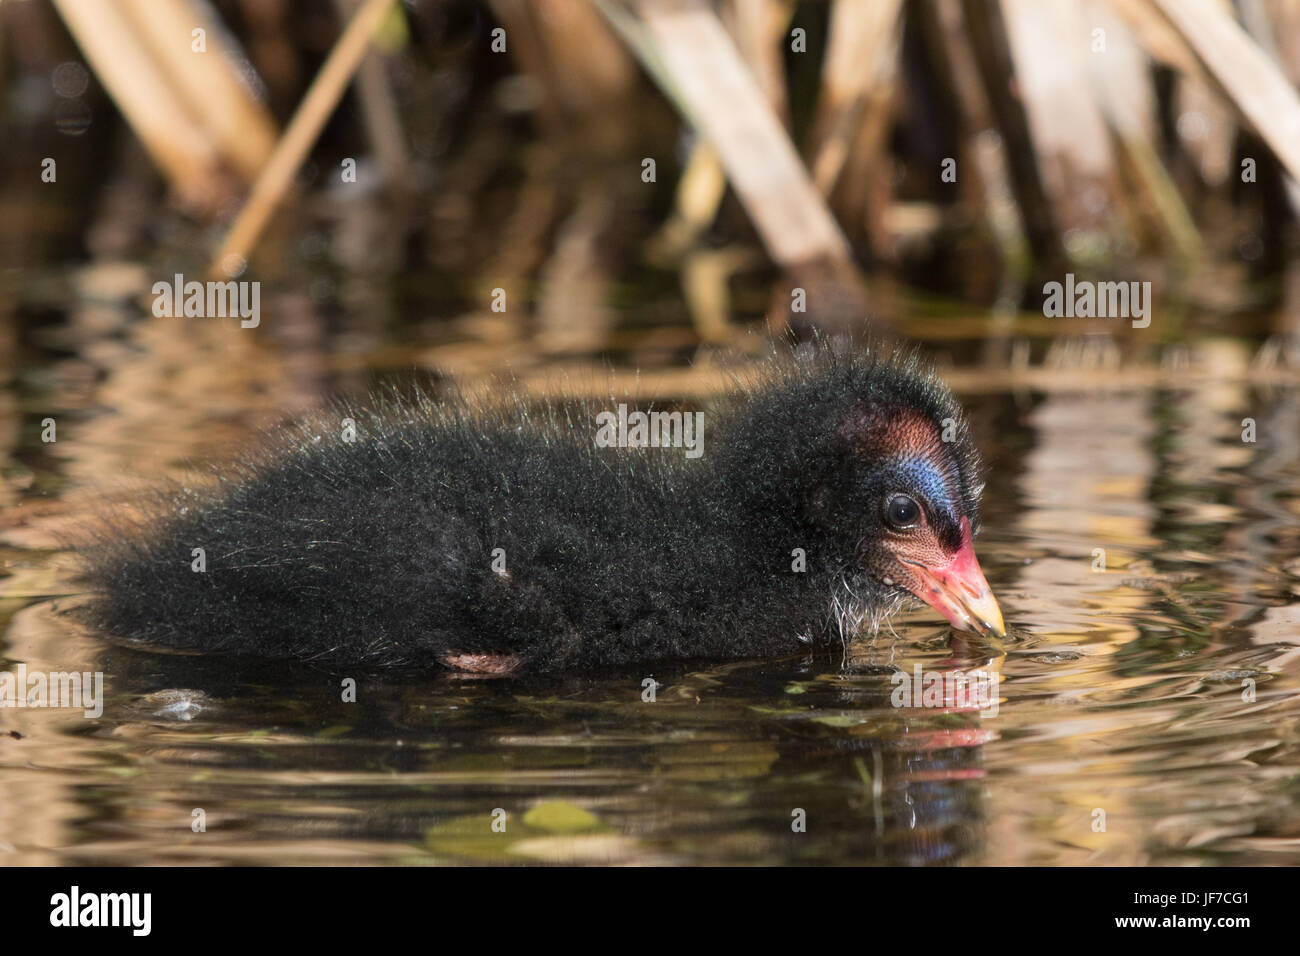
(1127, 98)
(990, 46)
(1250, 78)
(320, 102)
(700, 190)
(732, 112)
(126, 66)
(985, 155)
(238, 125)
(861, 50)
(758, 27)
(759, 30)
(1157, 36)
(1071, 142)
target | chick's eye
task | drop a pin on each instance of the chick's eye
(902, 512)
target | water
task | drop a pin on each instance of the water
(1148, 709)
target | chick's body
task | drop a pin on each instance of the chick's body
(506, 539)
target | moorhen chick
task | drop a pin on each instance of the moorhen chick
(831, 489)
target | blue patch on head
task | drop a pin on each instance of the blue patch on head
(925, 477)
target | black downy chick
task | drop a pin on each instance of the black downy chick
(830, 490)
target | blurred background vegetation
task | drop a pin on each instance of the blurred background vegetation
(650, 179)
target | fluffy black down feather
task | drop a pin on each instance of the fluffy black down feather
(379, 551)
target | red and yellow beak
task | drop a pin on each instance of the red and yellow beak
(958, 590)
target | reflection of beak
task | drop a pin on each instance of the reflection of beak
(958, 591)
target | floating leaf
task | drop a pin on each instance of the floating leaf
(838, 720)
(471, 836)
(556, 816)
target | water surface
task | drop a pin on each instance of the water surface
(1148, 710)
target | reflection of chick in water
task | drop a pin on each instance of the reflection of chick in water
(905, 785)
(875, 783)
